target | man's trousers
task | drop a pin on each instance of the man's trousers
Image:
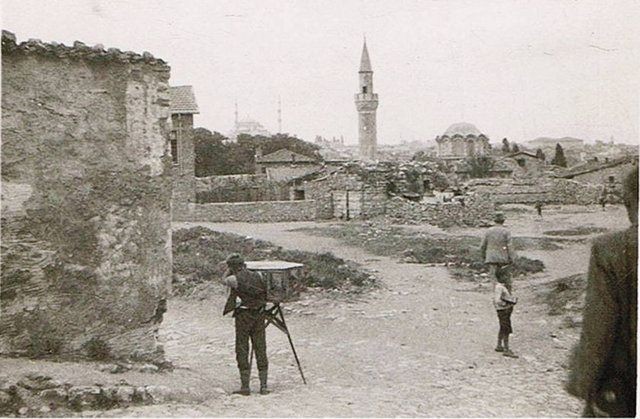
(250, 324)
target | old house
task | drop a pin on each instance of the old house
(183, 108)
(284, 164)
(86, 243)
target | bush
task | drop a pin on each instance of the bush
(97, 349)
(198, 254)
(41, 346)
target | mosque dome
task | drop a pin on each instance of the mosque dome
(463, 129)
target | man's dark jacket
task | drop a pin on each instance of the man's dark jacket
(604, 362)
(252, 290)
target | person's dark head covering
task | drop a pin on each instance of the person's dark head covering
(235, 261)
(630, 195)
(498, 217)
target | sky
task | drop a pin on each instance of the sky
(515, 69)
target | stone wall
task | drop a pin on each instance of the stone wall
(239, 188)
(366, 198)
(475, 211)
(610, 177)
(249, 212)
(548, 190)
(86, 243)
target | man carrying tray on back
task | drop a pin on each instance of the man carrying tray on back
(250, 318)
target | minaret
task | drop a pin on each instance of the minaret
(236, 124)
(279, 116)
(366, 103)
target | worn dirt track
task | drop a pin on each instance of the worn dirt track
(420, 345)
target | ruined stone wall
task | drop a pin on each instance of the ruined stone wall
(476, 211)
(239, 188)
(330, 194)
(86, 243)
(249, 212)
(549, 190)
(612, 177)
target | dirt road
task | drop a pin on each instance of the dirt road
(420, 345)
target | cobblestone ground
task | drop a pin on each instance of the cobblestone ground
(420, 345)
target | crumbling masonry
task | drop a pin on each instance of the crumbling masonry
(86, 244)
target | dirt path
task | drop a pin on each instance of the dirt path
(421, 345)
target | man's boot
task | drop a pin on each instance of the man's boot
(245, 375)
(263, 382)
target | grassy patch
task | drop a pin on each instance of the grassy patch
(577, 231)
(462, 253)
(566, 295)
(198, 254)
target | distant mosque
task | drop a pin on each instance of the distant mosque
(462, 140)
(247, 126)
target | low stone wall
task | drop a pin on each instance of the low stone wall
(239, 188)
(250, 212)
(475, 212)
(548, 190)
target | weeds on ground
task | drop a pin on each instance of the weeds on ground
(462, 253)
(577, 231)
(198, 254)
(566, 295)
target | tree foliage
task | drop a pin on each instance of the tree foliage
(515, 148)
(215, 155)
(505, 145)
(480, 166)
(540, 154)
(559, 159)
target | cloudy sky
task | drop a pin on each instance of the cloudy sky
(516, 69)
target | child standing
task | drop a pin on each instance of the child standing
(504, 301)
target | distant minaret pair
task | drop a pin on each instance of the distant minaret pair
(366, 103)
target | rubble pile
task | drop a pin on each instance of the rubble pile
(40, 395)
(474, 211)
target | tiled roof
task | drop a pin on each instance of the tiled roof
(526, 153)
(285, 156)
(595, 166)
(183, 100)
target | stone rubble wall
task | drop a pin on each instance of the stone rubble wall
(548, 190)
(367, 199)
(477, 211)
(37, 395)
(239, 188)
(248, 212)
(86, 242)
